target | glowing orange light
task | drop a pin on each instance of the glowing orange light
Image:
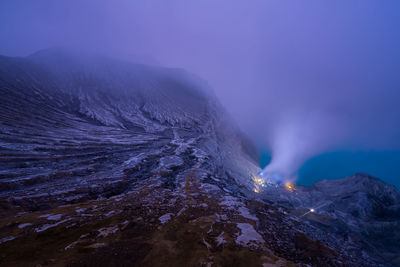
(289, 186)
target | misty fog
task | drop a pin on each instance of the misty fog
(300, 79)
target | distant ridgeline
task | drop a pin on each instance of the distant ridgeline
(340, 164)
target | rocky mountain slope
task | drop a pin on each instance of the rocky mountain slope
(360, 209)
(110, 163)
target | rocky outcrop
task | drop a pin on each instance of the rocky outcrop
(361, 211)
(77, 127)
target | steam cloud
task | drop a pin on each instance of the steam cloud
(300, 78)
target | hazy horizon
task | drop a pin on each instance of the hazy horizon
(301, 80)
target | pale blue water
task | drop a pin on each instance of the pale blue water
(384, 165)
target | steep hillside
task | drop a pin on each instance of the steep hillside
(111, 163)
(76, 128)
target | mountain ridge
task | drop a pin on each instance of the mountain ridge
(108, 163)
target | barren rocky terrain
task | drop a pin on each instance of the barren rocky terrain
(110, 163)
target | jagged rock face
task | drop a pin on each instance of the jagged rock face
(111, 163)
(79, 127)
(359, 209)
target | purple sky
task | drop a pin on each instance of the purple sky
(300, 77)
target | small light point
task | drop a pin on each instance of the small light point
(289, 186)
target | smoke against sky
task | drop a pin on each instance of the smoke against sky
(300, 78)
